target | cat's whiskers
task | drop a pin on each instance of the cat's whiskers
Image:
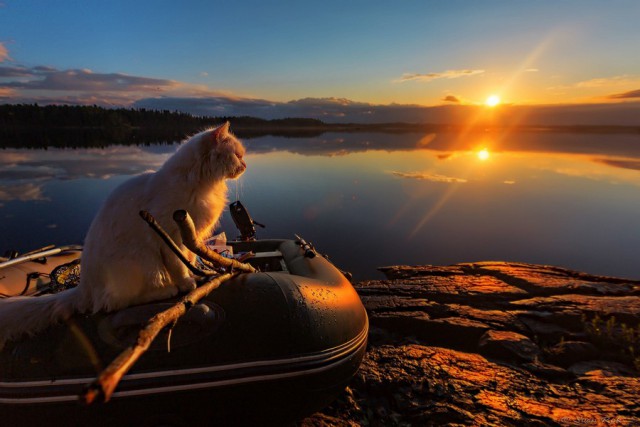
(238, 183)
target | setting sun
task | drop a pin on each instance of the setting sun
(483, 154)
(492, 101)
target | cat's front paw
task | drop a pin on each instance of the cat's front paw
(187, 284)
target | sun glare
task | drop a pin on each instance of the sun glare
(492, 101)
(483, 154)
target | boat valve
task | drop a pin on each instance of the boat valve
(309, 250)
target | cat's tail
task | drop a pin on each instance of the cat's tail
(28, 315)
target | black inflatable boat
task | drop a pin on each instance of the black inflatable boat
(265, 348)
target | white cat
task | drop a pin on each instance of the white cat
(123, 261)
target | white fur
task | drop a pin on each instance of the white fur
(123, 261)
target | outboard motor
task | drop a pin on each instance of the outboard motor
(243, 221)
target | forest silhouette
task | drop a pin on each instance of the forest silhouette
(34, 126)
(75, 126)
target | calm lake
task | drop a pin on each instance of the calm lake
(374, 199)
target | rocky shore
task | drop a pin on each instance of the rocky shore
(495, 344)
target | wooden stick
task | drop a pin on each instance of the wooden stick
(191, 241)
(149, 219)
(103, 387)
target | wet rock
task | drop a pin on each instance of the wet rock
(423, 386)
(542, 326)
(414, 271)
(456, 288)
(548, 371)
(549, 280)
(624, 308)
(508, 346)
(601, 368)
(495, 343)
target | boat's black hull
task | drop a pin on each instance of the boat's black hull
(264, 348)
(275, 401)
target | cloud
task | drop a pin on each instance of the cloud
(23, 192)
(16, 72)
(425, 176)
(340, 110)
(211, 106)
(613, 87)
(48, 85)
(18, 171)
(45, 78)
(626, 95)
(7, 93)
(451, 98)
(4, 53)
(449, 74)
(328, 109)
(632, 164)
(531, 70)
(18, 166)
(605, 81)
(25, 173)
(331, 101)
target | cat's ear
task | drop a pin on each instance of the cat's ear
(221, 132)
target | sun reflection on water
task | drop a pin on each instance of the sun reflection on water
(402, 198)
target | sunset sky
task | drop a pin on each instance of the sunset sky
(248, 56)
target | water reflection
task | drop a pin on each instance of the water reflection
(377, 199)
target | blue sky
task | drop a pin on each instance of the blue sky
(365, 52)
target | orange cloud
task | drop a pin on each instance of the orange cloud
(626, 95)
(449, 74)
(4, 53)
(425, 176)
(451, 98)
(6, 92)
(632, 164)
(606, 82)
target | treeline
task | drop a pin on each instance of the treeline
(29, 116)
(34, 126)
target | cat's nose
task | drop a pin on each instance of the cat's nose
(244, 165)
